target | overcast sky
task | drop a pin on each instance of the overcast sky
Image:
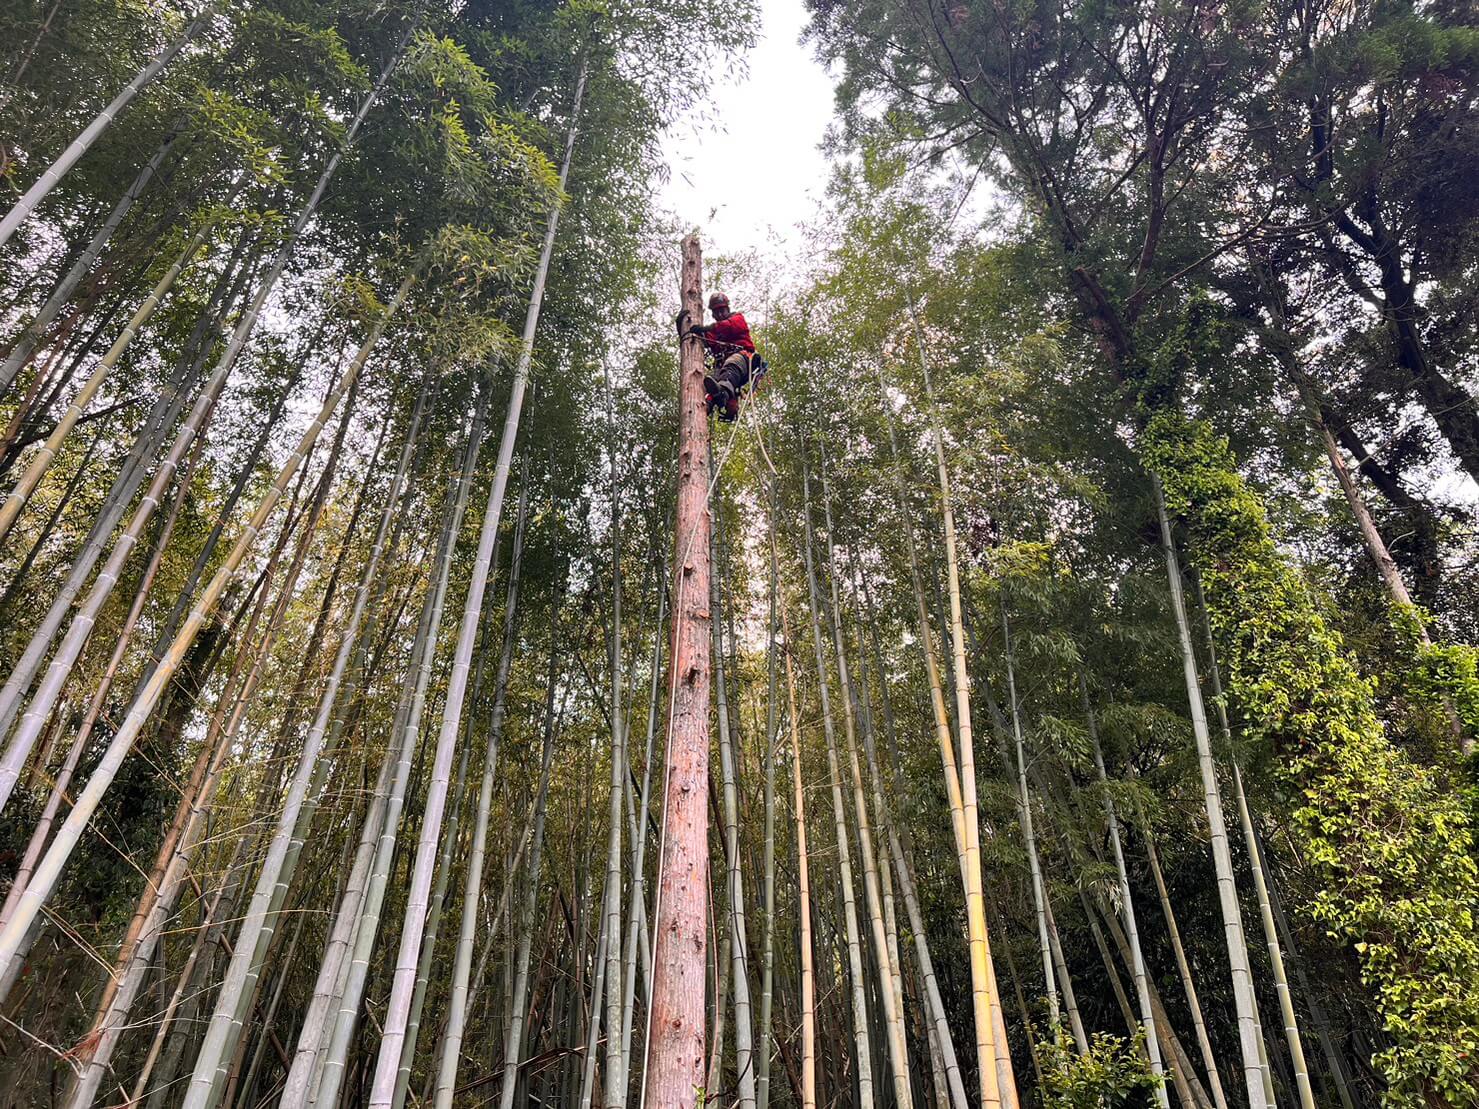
(756, 172)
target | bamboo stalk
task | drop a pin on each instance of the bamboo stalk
(737, 942)
(980, 944)
(104, 119)
(24, 672)
(457, 1005)
(1127, 901)
(803, 871)
(41, 461)
(872, 891)
(1237, 950)
(862, 1052)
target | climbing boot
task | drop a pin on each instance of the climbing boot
(728, 402)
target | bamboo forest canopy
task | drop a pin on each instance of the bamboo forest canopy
(1057, 688)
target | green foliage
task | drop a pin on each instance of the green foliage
(1393, 854)
(1445, 677)
(1115, 1071)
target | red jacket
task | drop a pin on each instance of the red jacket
(724, 335)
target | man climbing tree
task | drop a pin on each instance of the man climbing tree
(729, 342)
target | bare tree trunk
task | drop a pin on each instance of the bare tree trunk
(675, 1025)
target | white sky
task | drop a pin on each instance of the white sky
(754, 173)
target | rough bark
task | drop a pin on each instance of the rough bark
(675, 1041)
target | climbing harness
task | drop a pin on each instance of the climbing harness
(755, 370)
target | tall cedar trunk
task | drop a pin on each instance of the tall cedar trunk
(675, 1026)
(1450, 405)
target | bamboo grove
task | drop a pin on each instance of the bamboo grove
(1055, 689)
